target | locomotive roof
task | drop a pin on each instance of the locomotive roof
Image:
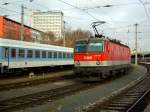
(103, 39)
(30, 45)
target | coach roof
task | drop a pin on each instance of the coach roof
(30, 45)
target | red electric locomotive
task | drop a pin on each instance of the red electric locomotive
(96, 58)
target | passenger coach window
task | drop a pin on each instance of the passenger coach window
(37, 54)
(49, 54)
(68, 55)
(71, 55)
(55, 55)
(43, 54)
(29, 54)
(13, 53)
(60, 55)
(21, 53)
(64, 55)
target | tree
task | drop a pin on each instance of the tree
(72, 36)
(48, 37)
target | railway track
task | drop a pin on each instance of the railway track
(34, 82)
(37, 98)
(127, 101)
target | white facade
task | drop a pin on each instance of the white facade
(49, 21)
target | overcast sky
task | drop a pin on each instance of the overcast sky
(120, 17)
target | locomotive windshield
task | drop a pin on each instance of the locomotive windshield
(91, 46)
(95, 47)
(81, 47)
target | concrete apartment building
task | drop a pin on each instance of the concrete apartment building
(49, 21)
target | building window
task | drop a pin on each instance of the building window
(29, 54)
(21, 53)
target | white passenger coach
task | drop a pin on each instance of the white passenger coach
(20, 54)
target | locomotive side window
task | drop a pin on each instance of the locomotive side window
(21, 53)
(29, 54)
(13, 53)
(95, 47)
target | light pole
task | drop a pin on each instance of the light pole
(22, 21)
(136, 43)
(64, 41)
(128, 37)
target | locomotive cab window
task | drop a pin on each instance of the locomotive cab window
(95, 47)
(81, 47)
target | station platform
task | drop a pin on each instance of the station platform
(81, 99)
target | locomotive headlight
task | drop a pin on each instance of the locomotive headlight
(98, 63)
(78, 62)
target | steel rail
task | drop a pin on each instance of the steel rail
(138, 101)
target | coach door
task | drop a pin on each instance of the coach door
(6, 56)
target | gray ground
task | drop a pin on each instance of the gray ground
(78, 100)
(32, 89)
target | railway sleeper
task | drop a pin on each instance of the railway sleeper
(124, 101)
(115, 108)
(119, 105)
(135, 92)
(128, 98)
(132, 96)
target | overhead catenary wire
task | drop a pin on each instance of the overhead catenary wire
(79, 9)
(145, 9)
(111, 5)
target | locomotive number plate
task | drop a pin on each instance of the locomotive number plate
(87, 57)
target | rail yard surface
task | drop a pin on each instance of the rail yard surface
(76, 98)
(34, 80)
